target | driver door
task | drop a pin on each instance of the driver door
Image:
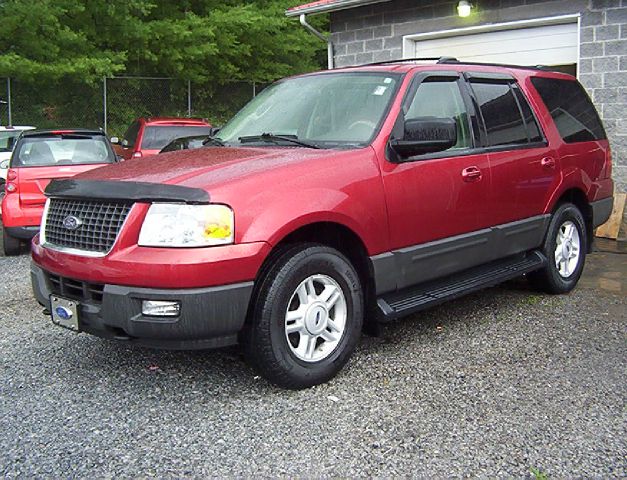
(438, 203)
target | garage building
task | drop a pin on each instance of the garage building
(587, 38)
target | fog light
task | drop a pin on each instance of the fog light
(159, 308)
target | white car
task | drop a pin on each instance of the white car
(8, 137)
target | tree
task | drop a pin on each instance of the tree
(199, 40)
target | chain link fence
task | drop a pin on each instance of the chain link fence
(5, 101)
(219, 103)
(115, 102)
(65, 102)
(130, 97)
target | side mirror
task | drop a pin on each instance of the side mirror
(214, 131)
(4, 164)
(425, 135)
(114, 140)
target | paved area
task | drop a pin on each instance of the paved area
(492, 385)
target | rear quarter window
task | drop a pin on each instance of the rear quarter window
(571, 109)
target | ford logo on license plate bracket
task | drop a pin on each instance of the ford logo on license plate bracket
(64, 312)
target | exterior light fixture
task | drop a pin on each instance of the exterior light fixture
(463, 8)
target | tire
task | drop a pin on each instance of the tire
(11, 246)
(297, 337)
(561, 274)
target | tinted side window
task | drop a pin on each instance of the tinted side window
(7, 140)
(131, 134)
(571, 109)
(442, 99)
(532, 125)
(501, 115)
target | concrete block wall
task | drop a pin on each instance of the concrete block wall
(375, 33)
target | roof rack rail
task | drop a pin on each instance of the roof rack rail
(415, 59)
(453, 60)
(490, 64)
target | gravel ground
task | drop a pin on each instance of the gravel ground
(492, 385)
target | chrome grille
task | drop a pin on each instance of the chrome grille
(98, 224)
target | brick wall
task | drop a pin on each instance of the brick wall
(375, 33)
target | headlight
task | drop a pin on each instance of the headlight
(177, 225)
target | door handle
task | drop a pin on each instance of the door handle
(548, 163)
(471, 174)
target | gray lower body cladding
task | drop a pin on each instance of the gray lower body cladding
(209, 317)
(413, 265)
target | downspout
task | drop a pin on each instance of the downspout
(303, 22)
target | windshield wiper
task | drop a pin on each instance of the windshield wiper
(271, 137)
(213, 141)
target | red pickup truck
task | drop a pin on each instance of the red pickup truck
(147, 136)
(332, 202)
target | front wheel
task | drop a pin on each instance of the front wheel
(307, 317)
(565, 247)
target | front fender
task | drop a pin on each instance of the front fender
(282, 215)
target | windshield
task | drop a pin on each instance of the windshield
(327, 110)
(155, 138)
(72, 149)
(8, 139)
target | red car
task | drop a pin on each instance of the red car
(38, 157)
(332, 202)
(147, 136)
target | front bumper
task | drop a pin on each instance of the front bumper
(23, 233)
(16, 214)
(209, 317)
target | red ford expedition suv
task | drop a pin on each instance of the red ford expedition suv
(38, 157)
(331, 202)
(147, 136)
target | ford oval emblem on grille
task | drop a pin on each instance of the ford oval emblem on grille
(71, 222)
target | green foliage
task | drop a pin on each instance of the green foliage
(538, 474)
(199, 40)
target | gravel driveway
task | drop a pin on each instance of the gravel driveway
(493, 385)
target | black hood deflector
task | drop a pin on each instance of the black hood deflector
(126, 191)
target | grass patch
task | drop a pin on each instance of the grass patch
(538, 474)
(531, 300)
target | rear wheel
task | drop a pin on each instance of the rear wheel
(307, 317)
(12, 246)
(565, 247)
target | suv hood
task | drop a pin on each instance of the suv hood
(203, 167)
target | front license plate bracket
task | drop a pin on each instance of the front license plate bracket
(64, 312)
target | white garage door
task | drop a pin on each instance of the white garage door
(542, 45)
